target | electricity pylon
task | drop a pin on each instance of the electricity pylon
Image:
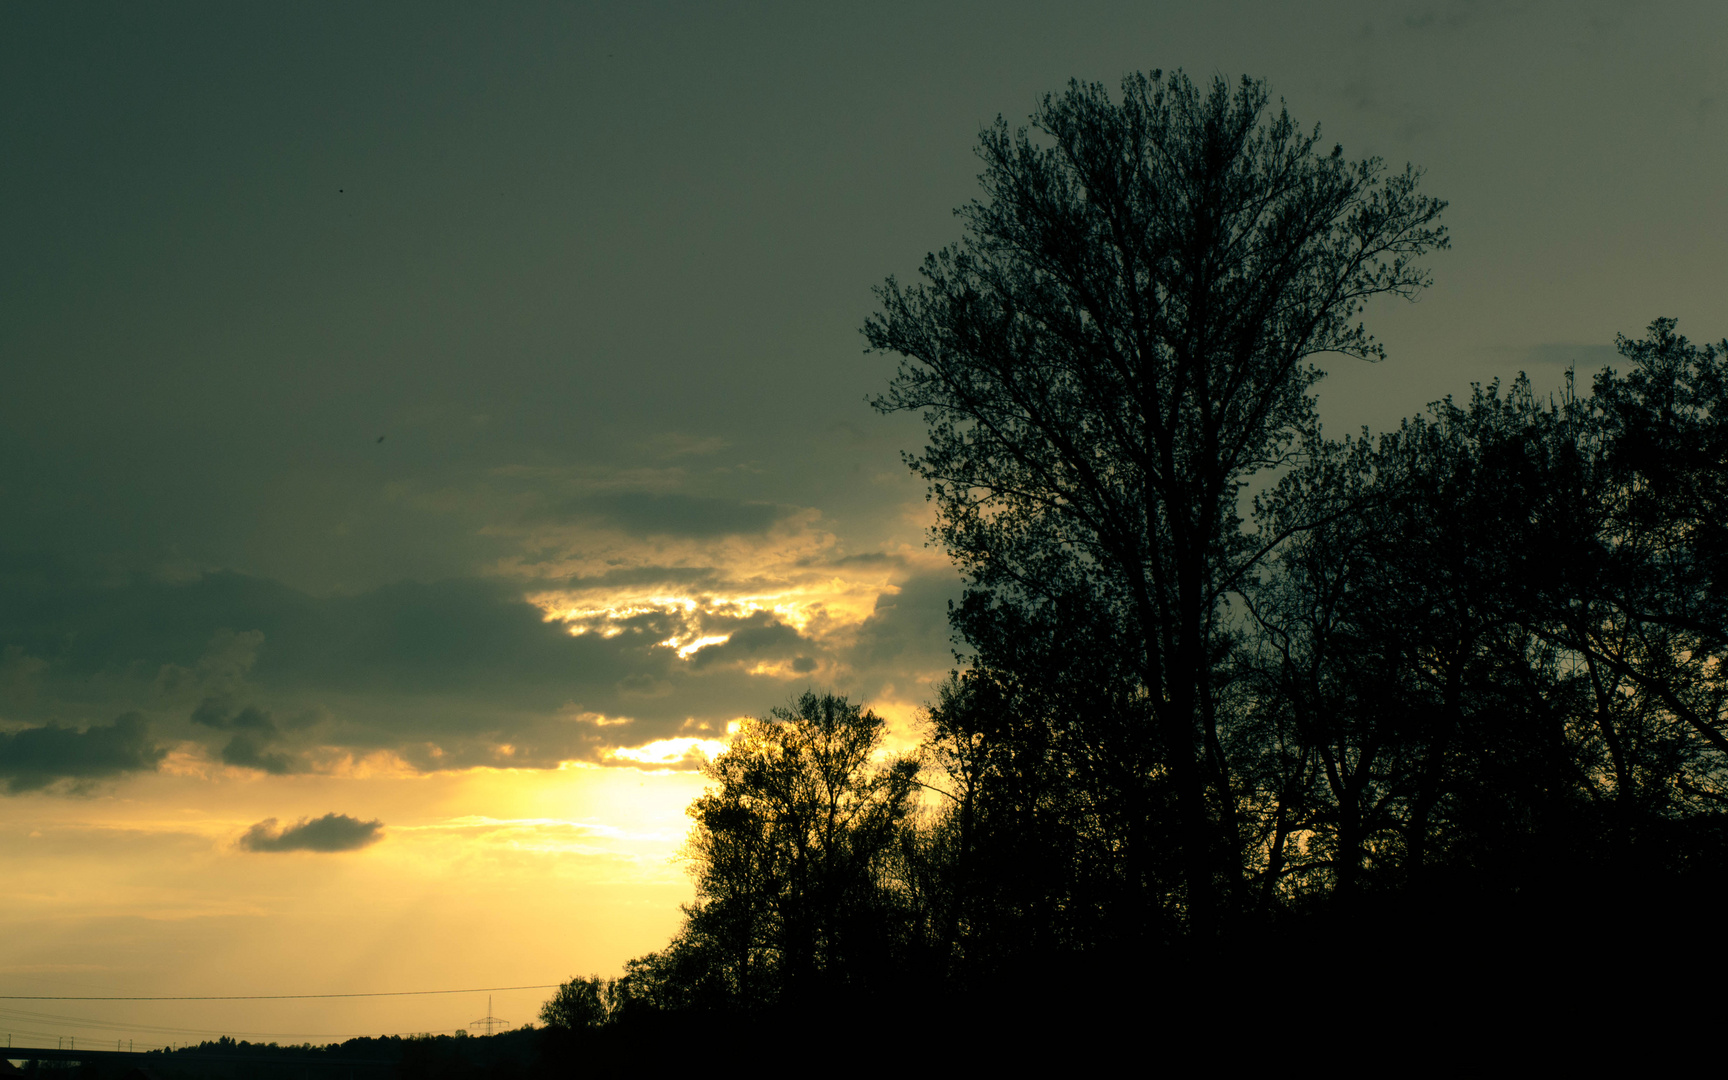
(489, 1023)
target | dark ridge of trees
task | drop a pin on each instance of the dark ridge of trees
(513, 1054)
(1445, 703)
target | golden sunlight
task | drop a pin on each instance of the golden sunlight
(668, 751)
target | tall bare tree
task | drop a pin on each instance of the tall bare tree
(1121, 339)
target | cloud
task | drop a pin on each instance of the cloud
(222, 669)
(647, 513)
(909, 624)
(255, 734)
(251, 752)
(757, 638)
(36, 757)
(332, 832)
(480, 671)
(19, 674)
(674, 444)
(687, 579)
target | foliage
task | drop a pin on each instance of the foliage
(581, 1004)
(1506, 660)
(792, 851)
(1468, 674)
(1121, 340)
(1480, 662)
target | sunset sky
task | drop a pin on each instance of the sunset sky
(424, 428)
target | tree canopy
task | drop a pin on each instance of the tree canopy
(793, 850)
(1460, 684)
(1121, 340)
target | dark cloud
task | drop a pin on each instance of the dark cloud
(691, 578)
(37, 757)
(449, 636)
(255, 740)
(85, 628)
(218, 714)
(332, 832)
(652, 514)
(1446, 16)
(758, 638)
(19, 673)
(444, 674)
(252, 752)
(872, 560)
(912, 623)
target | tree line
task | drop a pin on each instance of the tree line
(1229, 684)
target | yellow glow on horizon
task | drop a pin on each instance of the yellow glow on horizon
(484, 877)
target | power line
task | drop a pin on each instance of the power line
(276, 997)
(8, 1016)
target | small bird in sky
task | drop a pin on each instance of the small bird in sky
(380, 438)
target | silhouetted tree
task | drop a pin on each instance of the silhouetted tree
(1120, 341)
(581, 1004)
(1499, 661)
(1653, 582)
(1052, 788)
(793, 850)
(1398, 661)
(1463, 681)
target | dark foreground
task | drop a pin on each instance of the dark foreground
(1533, 978)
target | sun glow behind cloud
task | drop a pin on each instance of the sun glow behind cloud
(783, 610)
(819, 606)
(669, 751)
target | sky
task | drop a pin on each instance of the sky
(425, 428)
